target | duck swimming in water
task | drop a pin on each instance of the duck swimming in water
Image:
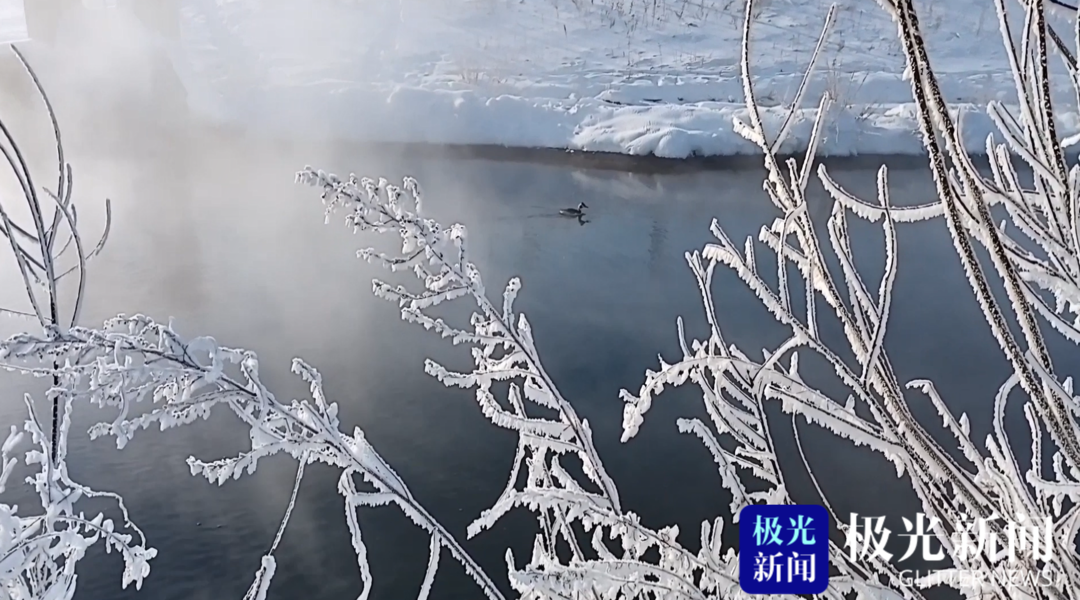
(574, 212)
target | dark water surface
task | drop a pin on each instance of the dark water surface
(209, 229)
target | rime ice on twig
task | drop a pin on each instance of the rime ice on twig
(735, 387)
(986, 483)
(588, 545)
(39, 553)
(134, 361)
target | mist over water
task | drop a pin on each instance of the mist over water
(208, 227)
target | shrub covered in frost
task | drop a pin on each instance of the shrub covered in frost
(588, 544)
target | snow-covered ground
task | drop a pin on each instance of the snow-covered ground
(12, 22)
(628, 76)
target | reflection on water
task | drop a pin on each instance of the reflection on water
(210, 229)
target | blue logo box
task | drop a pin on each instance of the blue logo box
(783, 549)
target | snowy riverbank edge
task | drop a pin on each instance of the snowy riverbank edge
(671, 131)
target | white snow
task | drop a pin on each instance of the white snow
(627, 76)
(12, 22)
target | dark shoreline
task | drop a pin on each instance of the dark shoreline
(603, 161)
(648, 164)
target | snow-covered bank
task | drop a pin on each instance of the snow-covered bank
(412, 115)
(638, 77)
(12, 22)
(657, 77)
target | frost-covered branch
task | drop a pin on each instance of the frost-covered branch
(153, 378)
(34, 247)
(985, 483)
(39, 551)
(503, 350)
(1039, 263)
(587, 543)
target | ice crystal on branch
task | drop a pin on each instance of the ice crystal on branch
(154, 378)
(39, 551)
(589, 545)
